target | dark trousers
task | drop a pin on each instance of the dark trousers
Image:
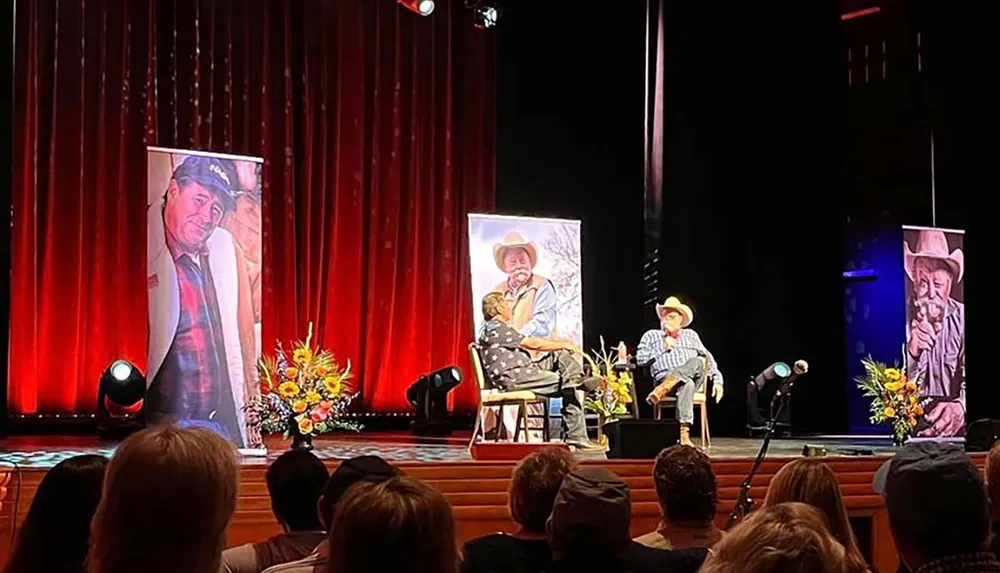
(560, 376)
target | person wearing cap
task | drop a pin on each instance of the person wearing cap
(938, 509)
(677, 359)
(508, 364)
(361, 469)
(935, 344)
(201, 324)
(531, 297)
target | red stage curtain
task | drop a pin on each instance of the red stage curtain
(377, 130)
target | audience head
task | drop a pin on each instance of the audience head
(168, 497)
(369, 469)
(810, 481)
(534, 485)
(782, 538)
(295, 483)
(401, 526)
(936, 501)
(685, 486)
(992, 475)
(591, 516)
(55, 533)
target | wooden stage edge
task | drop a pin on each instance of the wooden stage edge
(477, 492)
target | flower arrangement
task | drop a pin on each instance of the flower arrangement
(611, 402)
(895, 398)
(311, 391)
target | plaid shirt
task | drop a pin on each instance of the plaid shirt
(189, 381)
(661, 361)
(968, 563)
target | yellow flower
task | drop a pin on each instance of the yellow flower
(302, 355)
(332, 384)
(305, 425)
(291, 373)
(313, 397)
(913, 400)
(299, 406)
(894, 386)
(889, 412)
(288, 390)
(893, 374)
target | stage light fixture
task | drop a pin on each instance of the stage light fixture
(485, 13)
(429, 396)
(121, 395)
(422, 7)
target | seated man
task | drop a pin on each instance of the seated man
(507, 365)
(676, 357)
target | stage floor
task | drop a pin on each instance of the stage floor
(46, 451)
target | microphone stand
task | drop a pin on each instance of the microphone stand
(744, 504)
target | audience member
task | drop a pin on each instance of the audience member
(783, 538)
(399, 526)
(686, 489)
(294, 483)
(531, 494)
(810, 481)
(370, 469)
(992, 474)
(168, 498)
(938, 509)
(55, 533)
(589, 526)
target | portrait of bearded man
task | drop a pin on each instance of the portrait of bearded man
(530, 296)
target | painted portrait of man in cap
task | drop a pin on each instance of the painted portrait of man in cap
(202, 320)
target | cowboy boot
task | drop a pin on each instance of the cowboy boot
(661, 391)
(686, 435)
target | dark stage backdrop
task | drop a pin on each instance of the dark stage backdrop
(377, 129)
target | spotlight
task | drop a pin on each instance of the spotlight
(485, 13)
(422, 7)
(429, 396)
(767, 390)
(121, 395)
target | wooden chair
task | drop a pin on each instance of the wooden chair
(700, 402)
(490, 397)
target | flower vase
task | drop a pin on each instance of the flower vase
(300, 441)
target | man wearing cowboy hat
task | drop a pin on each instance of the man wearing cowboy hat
(677, 357)
(936, 339)
(201, 322)
(531, 297)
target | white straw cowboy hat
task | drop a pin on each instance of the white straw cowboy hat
(933, 244)
(674, 303)
(514, 240)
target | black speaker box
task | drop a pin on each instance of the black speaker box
(633, 439)
(981, 435)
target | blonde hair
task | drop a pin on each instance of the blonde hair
(810, 481)
(782, 538)
(168, 497)
(493, 305)
(401, 525)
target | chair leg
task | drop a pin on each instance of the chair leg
(517, 423)
(526, 425)
(656, 411)
(501, 426)
(478, 427)
(704, 423)
(545, 420)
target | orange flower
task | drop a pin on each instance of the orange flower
(911, 387)
(889, 412)
(918, 411)
(912, 421)
(322, 370)
(299, 406)
(305, 425)
(291, 373)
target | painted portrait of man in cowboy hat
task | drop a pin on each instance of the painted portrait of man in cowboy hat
(935, 343)
(531, 297)
(678, 361)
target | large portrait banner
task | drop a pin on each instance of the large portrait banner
(934, 262)
(204, 289)
(535, 264)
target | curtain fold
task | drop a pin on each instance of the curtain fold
(376, 127)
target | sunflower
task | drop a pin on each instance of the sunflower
(313, 397)
(288, 390)
(332, 384)
(893, 374)
(305, 425)
(299, 406)
(302, 355)
(894, 386)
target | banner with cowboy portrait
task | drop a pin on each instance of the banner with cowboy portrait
(535, 264)
(934, 262)
(204, 288)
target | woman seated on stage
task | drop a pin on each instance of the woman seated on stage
(810, 481)
(56, 532)
(782, 538)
